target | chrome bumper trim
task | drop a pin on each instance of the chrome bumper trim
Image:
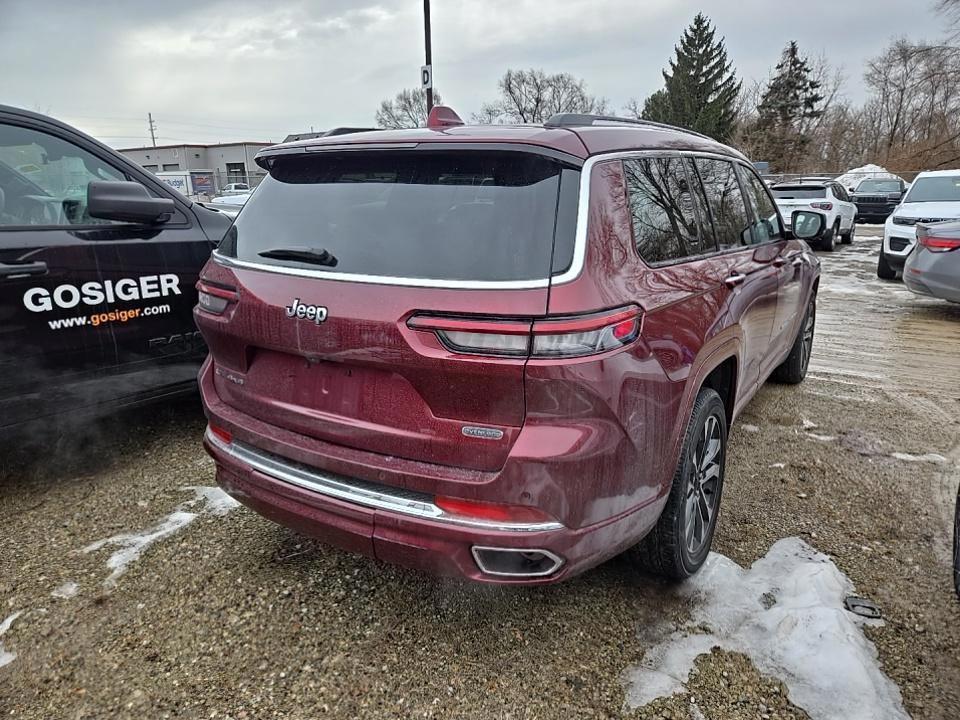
(360, 492)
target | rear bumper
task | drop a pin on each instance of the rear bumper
(391, 523)
(933, 274)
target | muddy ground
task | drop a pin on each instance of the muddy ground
(232, 616)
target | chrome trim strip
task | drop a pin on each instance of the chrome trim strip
(315, 480)
(557, 561)
(572, 273)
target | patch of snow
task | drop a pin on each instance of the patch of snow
(786, 614)
(778, 465)
(874, 172)
(822, 438)
(807, 424)
(7, 657)
(66, 591)
(133, 545)
(928, 457)
(750, 428)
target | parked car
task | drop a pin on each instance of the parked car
(825, 196)
(933, 268)
(507, 353)
(229, 205)
(933, 197)
(876, 198)
(98, 263)
(235, 189)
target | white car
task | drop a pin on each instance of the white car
(235, 188)
(823, 196)
(933, 196)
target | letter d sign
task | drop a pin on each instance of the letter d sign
(426, 77)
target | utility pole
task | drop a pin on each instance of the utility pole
(153, 129)
(426, 33)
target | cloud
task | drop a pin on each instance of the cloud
(242, 69)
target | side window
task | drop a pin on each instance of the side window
(731, 222)
(665, 223)
(43, 179)
(703, 209)
(766, 227)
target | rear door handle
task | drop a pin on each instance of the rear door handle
(735, 279)
(14, 270)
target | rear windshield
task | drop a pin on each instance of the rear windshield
(798, 193)
(438, 215)
(883, 186)
(945, 188)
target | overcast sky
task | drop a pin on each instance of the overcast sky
(254, 70)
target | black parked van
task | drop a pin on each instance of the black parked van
(98, 266)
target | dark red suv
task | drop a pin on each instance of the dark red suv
(502, 352)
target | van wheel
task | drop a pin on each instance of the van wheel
(793, 370)
(884, 271)
(680, 541)
(829, 241)
(847, 237)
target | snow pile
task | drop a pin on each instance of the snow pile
(133, 545)
(66, 591)
(786, 614)
(7, 657)
(852, 178)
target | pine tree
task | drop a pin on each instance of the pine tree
(790, 101)
(700, 88)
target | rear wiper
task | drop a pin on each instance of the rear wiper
(314, 256)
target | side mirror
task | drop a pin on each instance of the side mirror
(126, 202)
(807, 225)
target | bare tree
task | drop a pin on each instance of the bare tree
(407, 109)
(950, 9)
(532, 96)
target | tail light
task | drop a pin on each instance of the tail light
(936, 244)
(538, 338)
(822, 206)
(215, 298)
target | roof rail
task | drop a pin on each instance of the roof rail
(581, 119)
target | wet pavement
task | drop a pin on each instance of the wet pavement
(136, 591)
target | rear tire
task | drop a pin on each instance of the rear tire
(679, 543)
(847, 237)
(884, 271)
(828, 243)
(793, 370)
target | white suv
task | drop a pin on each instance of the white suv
(823, 196)
(932, 196)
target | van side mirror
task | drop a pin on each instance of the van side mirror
(126, 202)
(806, 225)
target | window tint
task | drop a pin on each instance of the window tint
(879, 186)
(798, 192)
(443, 215)
(661, 206)
(766, 226)
(43, 179)
(709, 243)
(730, 219)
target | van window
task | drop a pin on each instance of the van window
(731, 222)
(661, 204)
(441, 215)
(766, 227)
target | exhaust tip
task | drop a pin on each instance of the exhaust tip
(516, 562)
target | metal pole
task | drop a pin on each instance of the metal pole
(153, 137)
(426, 33)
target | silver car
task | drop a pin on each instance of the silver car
(933, 268)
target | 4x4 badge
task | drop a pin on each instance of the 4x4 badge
(317, 313)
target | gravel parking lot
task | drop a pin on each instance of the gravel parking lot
(193, 608)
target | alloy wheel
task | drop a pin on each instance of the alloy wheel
(806, 346)
(703, 484)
